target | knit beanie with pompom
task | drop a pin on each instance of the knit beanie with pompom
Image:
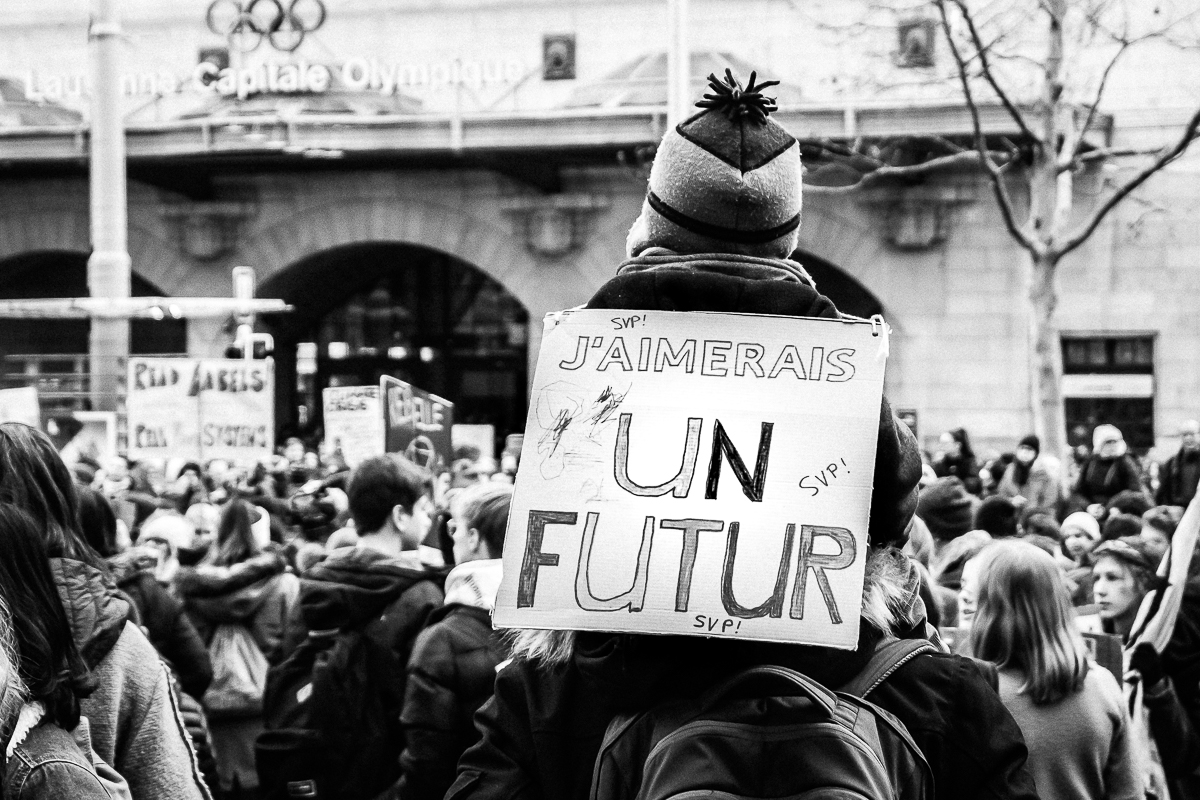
(726, 180)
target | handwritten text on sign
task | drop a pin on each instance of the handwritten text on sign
(704, 474)
(353, 422)
(201, 408)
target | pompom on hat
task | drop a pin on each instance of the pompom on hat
(726, 180)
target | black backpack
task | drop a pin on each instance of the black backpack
(332, 727)
(769, 732)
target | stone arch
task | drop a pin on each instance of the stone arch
(842, 235)
(66, 230)
(450, 230)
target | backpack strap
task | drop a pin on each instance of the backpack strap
(887, 659)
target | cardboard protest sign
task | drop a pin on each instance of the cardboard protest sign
(162, 410)
(201, 408)
(20, 405)
(237, 409)
(416, 424)
(353, 422)
(696, 474)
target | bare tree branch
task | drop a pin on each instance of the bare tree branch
(994, 172)
(986, 70)
(1166, 156)
(1105, 153)
(1071, 152)
(888, 173)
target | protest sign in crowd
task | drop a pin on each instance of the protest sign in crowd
(716, 563)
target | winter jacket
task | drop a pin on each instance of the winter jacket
(1178, 478)
(1041, 489)
(135, 722)
(542, 730)
(166, 625)
(1101, 479)
(450, 676)
(388, 599)
(666, 281)
(257, 593)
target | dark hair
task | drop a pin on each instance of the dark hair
(998, 516)
(1119, 526)
(51, 667)
(235, 539)
(97, 522)
(34, 478)
(380, 484)
(1041, 523)
(960, 435)
(1129, 501)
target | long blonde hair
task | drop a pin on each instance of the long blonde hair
(1024, 621)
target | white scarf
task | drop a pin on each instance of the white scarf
(475, 583)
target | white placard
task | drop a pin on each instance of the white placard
(162, 410)
(696, 474)
(201, 408)
(20, 405)
(353, 422)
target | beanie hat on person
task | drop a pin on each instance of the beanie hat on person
(1119, 526)
(726, 180)
(998, 516)
(946, 508)
(1081, 522)
(1033, 442)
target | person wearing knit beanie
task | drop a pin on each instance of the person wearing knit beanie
(726, 180)
(1027, 481)
(946, 509)
(998, 516)
(720, 219)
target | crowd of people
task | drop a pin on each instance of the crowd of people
(301, 630)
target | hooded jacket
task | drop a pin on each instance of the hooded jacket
(135, 722)
(166, 625)
(388, 600)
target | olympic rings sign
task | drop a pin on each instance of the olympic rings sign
(283, 23)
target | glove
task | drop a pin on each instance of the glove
(1148, 663)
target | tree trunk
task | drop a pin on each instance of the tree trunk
(1045, 357)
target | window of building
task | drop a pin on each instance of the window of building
(1109, 379)
(1084, 355)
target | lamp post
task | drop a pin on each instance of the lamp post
(108, 267)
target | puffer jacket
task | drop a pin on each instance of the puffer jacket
(135, 722)
(450, 676)
(161, 615)
(1101, 479)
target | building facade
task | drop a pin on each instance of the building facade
(424, 181)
